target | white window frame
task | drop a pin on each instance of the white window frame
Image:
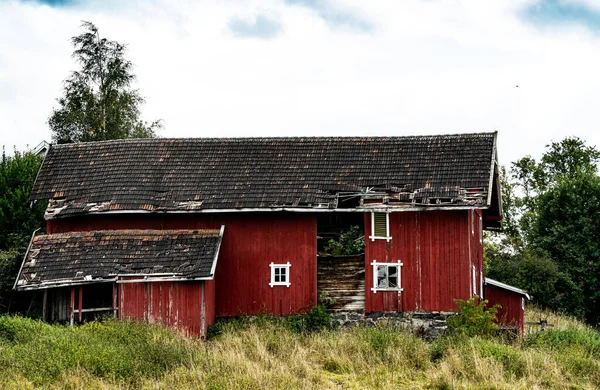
(285, 266)
(474, 274)
(376, 264)
(481, 284)
(480, 230)
(373, 237)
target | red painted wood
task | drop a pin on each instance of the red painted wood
(250, 243)
(436, 249)
(173, 304)
(209, 302)
(511, 313)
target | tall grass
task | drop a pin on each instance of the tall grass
(265, 354)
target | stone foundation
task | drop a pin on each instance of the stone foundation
(428, 325)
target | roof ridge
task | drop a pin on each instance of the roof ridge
(282, 138)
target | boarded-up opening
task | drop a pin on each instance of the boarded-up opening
(380, 225)
(342, 280)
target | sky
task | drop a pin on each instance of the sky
(239, 68)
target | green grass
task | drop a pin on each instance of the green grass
(279, 355)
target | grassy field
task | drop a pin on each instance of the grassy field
(115, 354)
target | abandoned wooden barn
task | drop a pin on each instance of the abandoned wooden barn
(133, 225)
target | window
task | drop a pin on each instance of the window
(280, 274)
(474, 280)
(380, 226)
(386, 276)
(481, 284)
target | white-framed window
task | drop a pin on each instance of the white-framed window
(474, 280)
(387, 276)
(481, 284)
(380, 226)
(280, 274)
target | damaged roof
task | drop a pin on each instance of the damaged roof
(84, 257)
(260, 173)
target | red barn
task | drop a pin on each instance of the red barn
(132, 225)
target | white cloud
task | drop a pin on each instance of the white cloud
(426, 67)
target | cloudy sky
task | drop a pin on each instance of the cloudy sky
(526, 68)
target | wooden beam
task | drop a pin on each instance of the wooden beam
(72, 307)
(80, 303)
(45, 305)
(114, 300)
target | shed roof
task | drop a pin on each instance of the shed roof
(261, 173)
(507, 287)
(87, 257)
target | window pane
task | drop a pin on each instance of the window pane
(283, 276)
(277, 271)
(276, 277)
(392, 271)
(393, 282)
(382, 276)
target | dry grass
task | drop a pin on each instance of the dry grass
(266, 355)
(560, 321)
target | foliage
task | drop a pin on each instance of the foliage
(266, 354)
(550, 246)
(111, 349)
(585, 342)
(317, 319)
(98, 102)
(17, 219)
(350, 242)
(474, 319)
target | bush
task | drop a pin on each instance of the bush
(315, 320)
(350, 242)
(474, 319)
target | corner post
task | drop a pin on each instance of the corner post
(72, 307)
(45, 305)
(80, 303)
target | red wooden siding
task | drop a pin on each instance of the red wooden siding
(437, 250)
(174, 304)
(250, 243)
(209, 302)
(511, 313)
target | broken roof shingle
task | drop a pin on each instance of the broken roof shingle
(79, 257)
(230, 173)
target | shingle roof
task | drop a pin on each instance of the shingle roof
(80, 257)
(230, 173)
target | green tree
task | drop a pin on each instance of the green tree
(550, 246)
(98, 102)
(567, 226)
(17, 219)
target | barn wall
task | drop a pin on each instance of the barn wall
(437, 250)
(209, 302)
(511, 313)
(250, 243)
(174, 304)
